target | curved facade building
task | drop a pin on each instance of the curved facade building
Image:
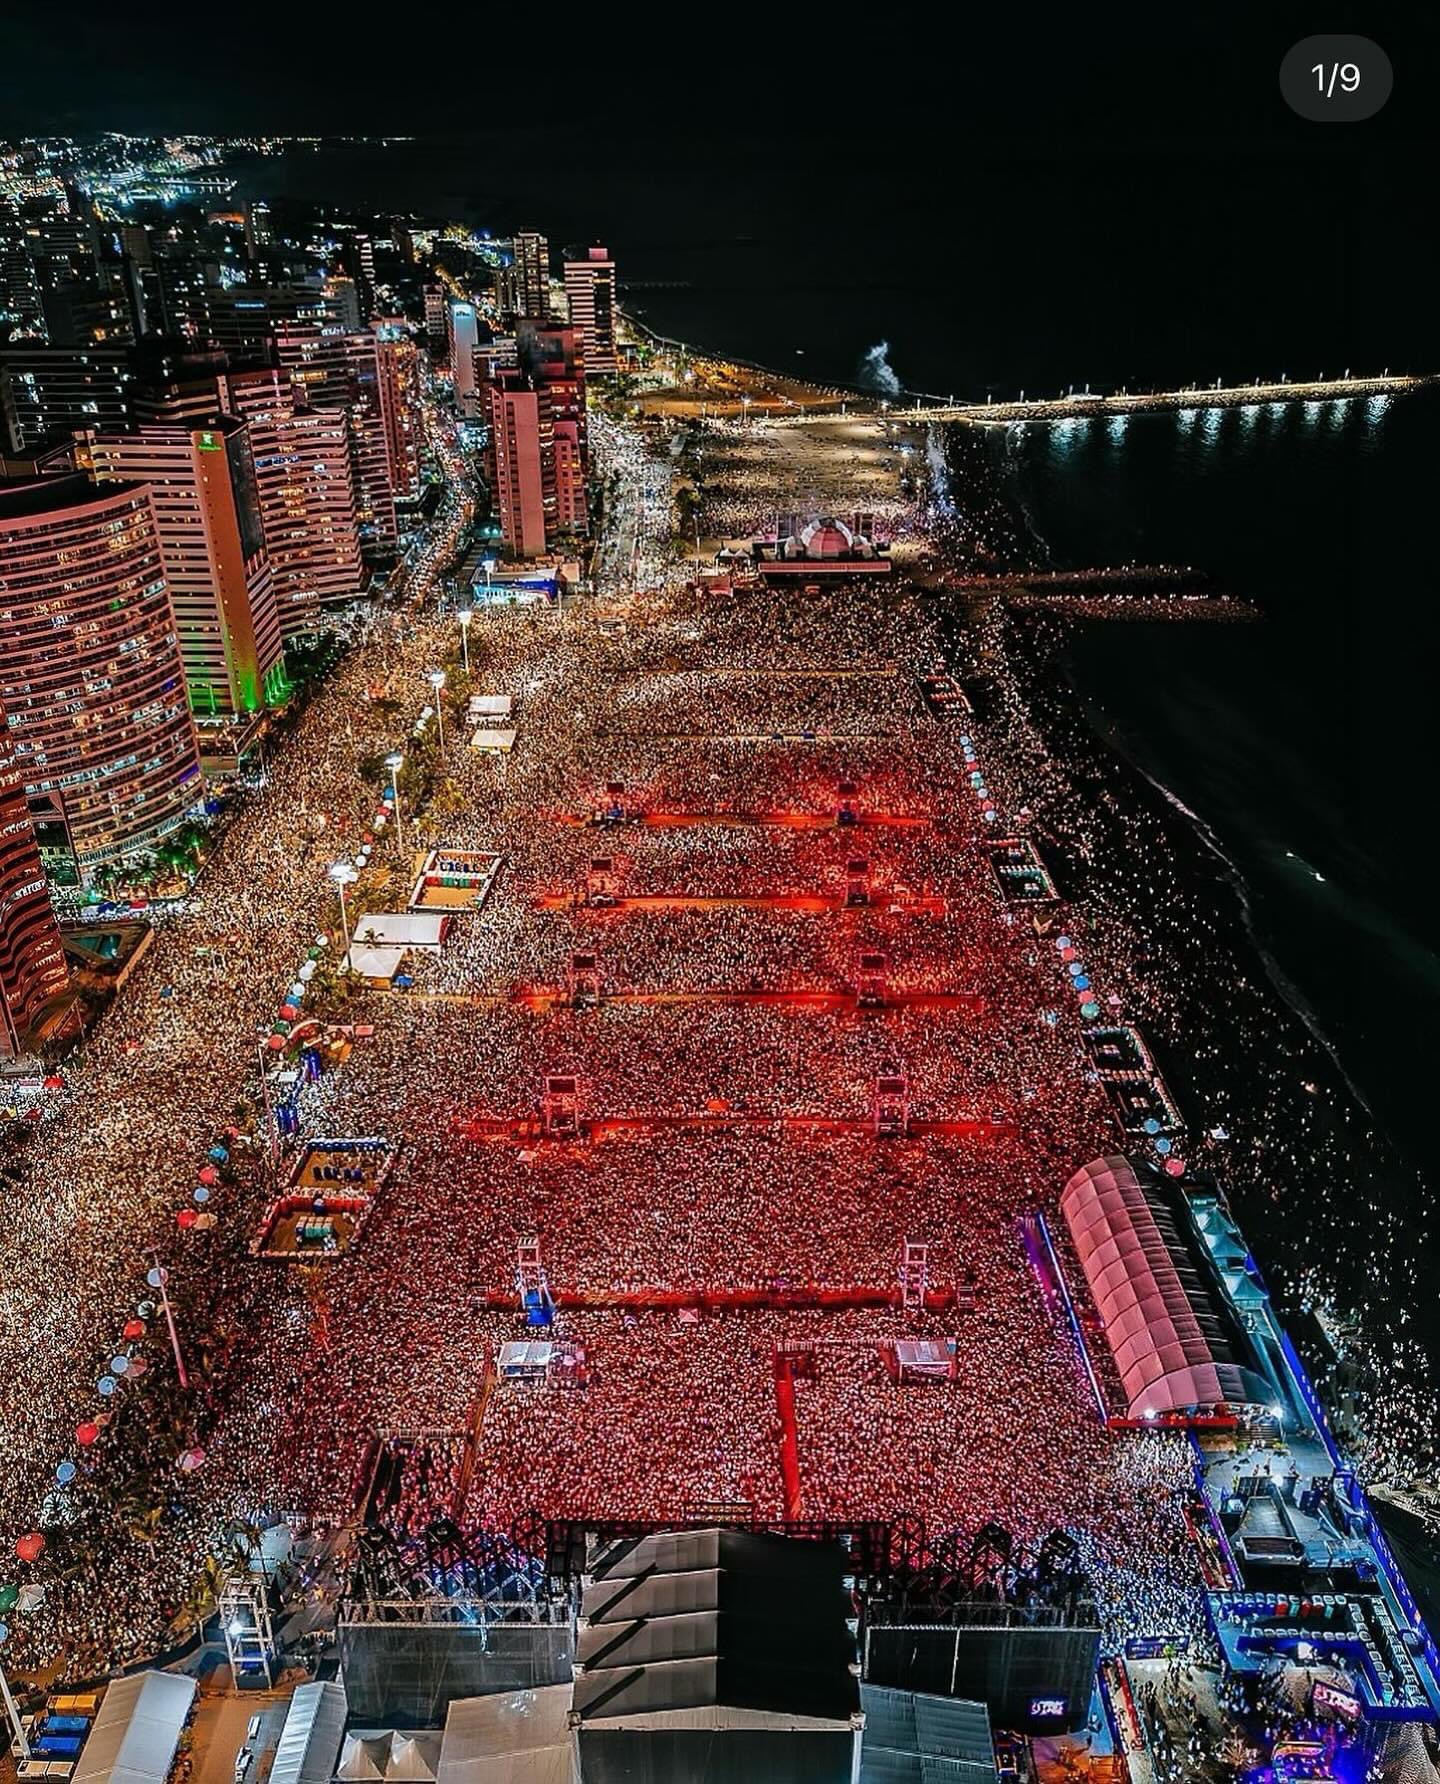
(32, 961)
(91, 682)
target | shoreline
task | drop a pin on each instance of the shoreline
(1306, 1259)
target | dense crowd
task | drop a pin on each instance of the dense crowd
(676, 1412)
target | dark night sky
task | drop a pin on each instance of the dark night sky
(1153, 162)
(693, 74)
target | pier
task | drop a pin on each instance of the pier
(1078, 404)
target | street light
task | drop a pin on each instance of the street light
(344, 875)
(436, 678)
(465, 616)
(395, 762)
(157, 1276)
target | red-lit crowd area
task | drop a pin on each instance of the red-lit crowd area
(745, 714)
(729, 781)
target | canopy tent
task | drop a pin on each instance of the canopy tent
(490, 706)
(494, 741)
(522, 1357)
(403, 929)
(378, 964)
(1169, 1339)
(413, 1757)
(310, 1739)
(137, 1731)
(926, 1357)
(372, 1755)
(364, 1757)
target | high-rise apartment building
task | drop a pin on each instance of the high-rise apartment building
(590, 294)
(551, 355)
(305, 475)
(359, 261)
(344, 293)
(464, 373)
(333, 369)
(91, 682)
(207, 515)
(177, 290)
(530, 277)
(522, 462)
(49, 390)
(398, 381)
(437, 318)
(178, 387)
(21, 308)
(258, 231)
(85, 314)
(245, 318)
(32, 960)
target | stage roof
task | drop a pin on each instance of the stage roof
(1170, 1340)
(914, 1738)
(137, 1730)
(755, 1639)
(511, 1737)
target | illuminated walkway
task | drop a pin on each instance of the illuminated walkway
(1124, 402)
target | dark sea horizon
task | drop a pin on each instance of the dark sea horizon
(1302, 744)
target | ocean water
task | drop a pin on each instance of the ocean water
(1009, 263)
(1305, 742)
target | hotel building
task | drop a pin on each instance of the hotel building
(91, 682)
(32, 960)
(590, 294)
(212, 542)
(305, 476)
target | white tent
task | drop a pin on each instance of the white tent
(137, 1730)
(365, 1756)
(310, 1739)
(490, 706)
(493, 742)
(403, 929)
(376, 963)
(413, 1757)
(377, 1756)
(510, 1737)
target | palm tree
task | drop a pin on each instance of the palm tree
(203, 1596)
